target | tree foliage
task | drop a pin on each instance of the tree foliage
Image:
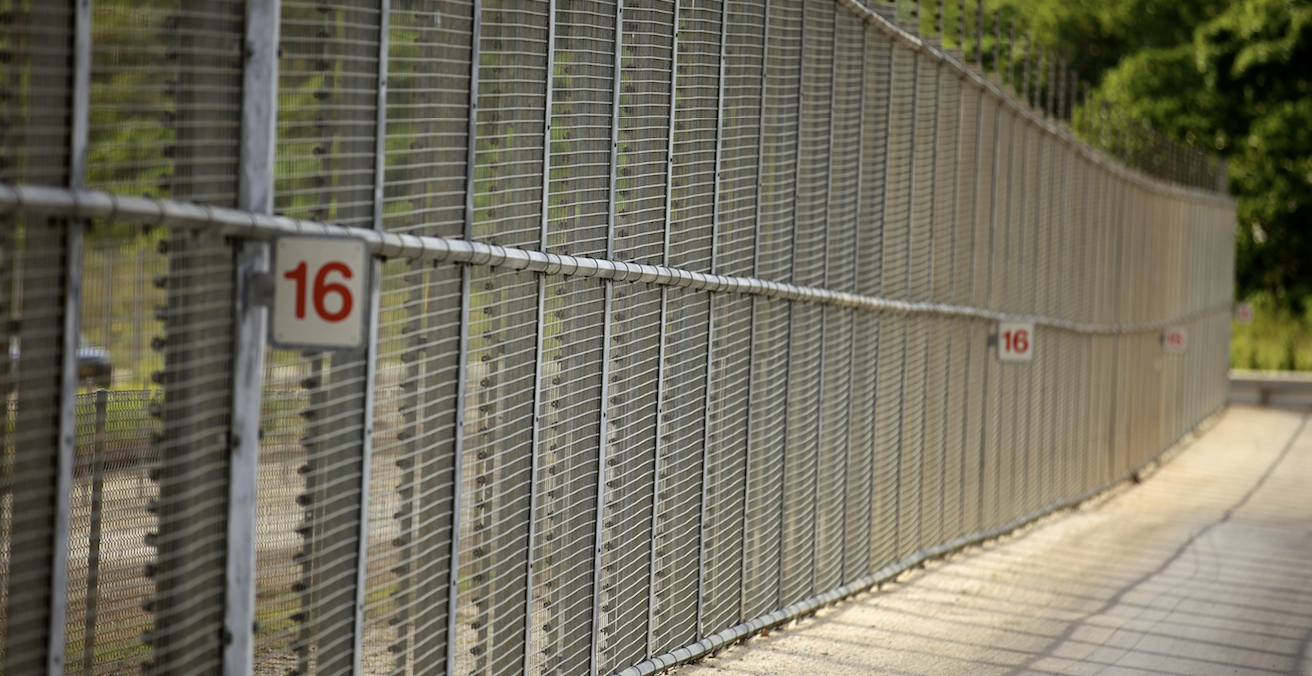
(1242, 85)
(1233, 77)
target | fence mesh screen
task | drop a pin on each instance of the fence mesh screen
(550, 455)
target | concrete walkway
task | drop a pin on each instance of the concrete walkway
(1204, 568)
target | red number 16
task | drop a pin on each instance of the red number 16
(321, 290)
(1017, 341)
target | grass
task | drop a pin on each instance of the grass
(1279, 339)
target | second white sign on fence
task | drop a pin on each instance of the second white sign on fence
(1015, 341)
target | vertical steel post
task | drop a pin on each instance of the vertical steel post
(851, 356)
(950, 297)
(457, 489)
(603, 415)
(98, 448)
(660, 360)
(824, 324)
(989, 304)
(979, 35)
(974, 278)
(792, 259)
(380, 136)
(756, 262)
(255, 194)
(48, 299)
(67, 448)
(961, 29)
(366, 461)
(535, 434)
(77, 159)
(371, 348)
(710, 322)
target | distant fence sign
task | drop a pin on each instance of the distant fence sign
(320, 292)
(1015, 341)
(1244, 313)
(1175, 339)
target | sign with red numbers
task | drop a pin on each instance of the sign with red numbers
(1244, 313)
(1015, 341)
(1175, 339)
(320, 293)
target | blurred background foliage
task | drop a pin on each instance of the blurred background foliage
(1279, 338)
(1233, 77)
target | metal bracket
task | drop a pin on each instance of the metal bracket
(258, 290)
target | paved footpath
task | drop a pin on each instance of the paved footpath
(1204, 568)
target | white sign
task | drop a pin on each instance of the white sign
(1015, 341)
(320, 292)
(1175, 339)
(1244, 313)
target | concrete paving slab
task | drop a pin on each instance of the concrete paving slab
(1204, 568)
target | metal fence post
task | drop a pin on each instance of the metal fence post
(710, 326)
(847, 517)
(535, 434)
(606, 339)
(255, 193)
(40, 306)
(457, 490)
(787, 457)
(664, 316)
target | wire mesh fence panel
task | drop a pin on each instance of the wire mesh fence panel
(765, 464)
(959, 279)
(810, 264)
(891, 361)
(832, 449)
(860, 512)
(728, 417)
(429, 45)
(429, 71)
(526, 469)
(744, 81)
(565, 503)
(781, 90)
(841, 274)
(412, 473)
(627, 524)
(192, 455)
(780, 110)
(919, 236)
(1034, 255)
(179, 91)
(116, 410)
(797, 537)
(935, 497)
(496, 472)
(690, 241)
(34, 290)
(646, 99)
(327, 110)
(327, 125)
(680, 451)
(36, 255)
(727, 420)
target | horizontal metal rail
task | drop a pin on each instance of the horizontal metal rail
(52, 201)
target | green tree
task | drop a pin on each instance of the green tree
(1242, 85)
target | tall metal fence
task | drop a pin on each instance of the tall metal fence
(683, 323)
